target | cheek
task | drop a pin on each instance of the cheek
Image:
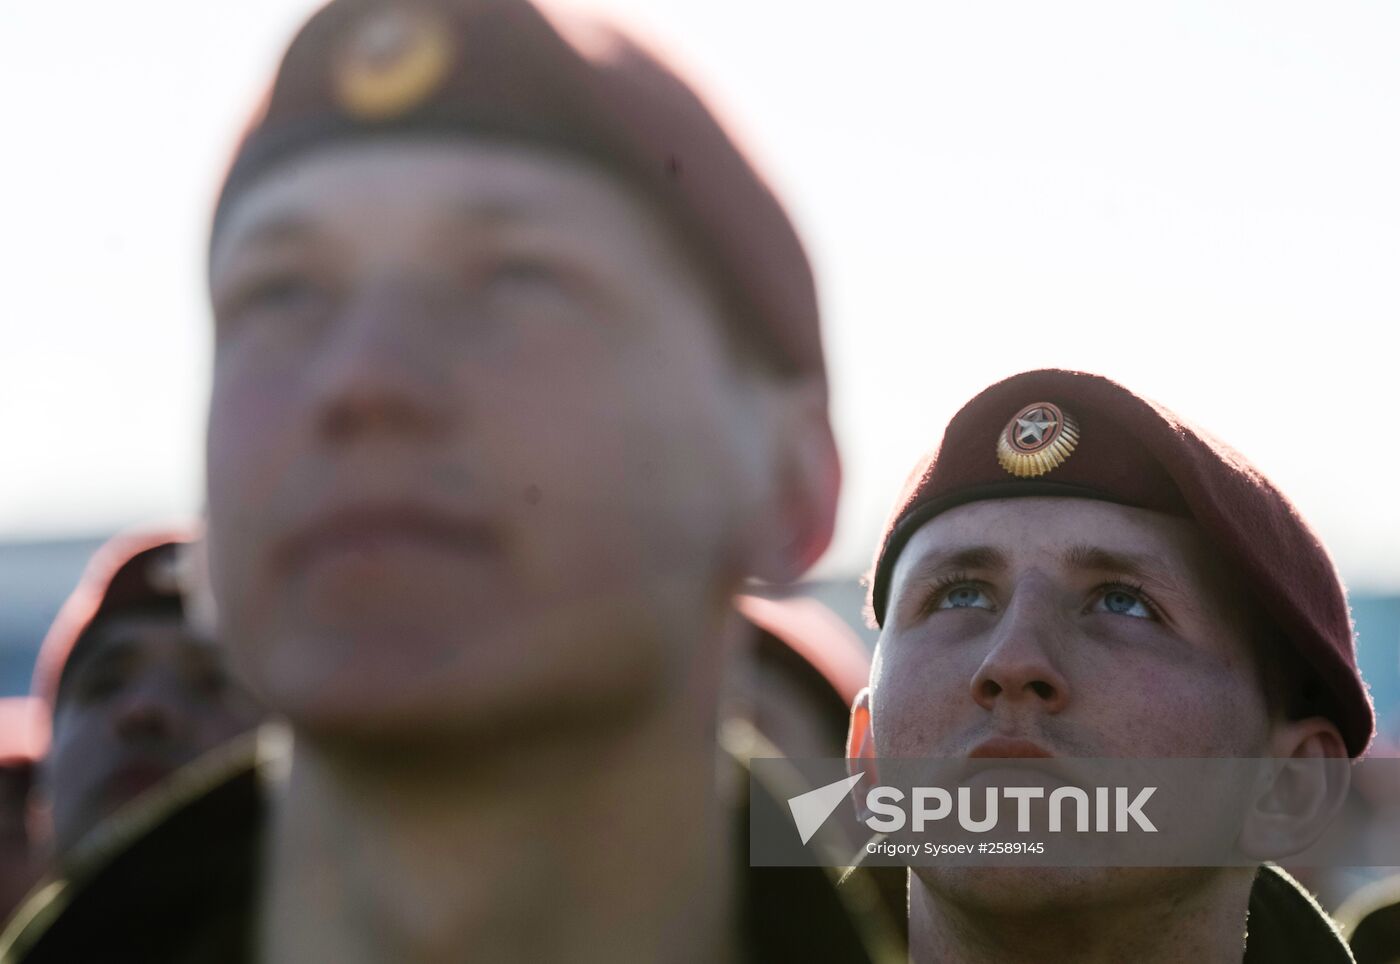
(80, 745)
(1145, 707)
(251, 418)
(219, 726)
(626, 460)
(919, 699)
(252, 449)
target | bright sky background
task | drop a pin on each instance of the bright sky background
(1201, 199)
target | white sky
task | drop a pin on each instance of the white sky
(1201, 199)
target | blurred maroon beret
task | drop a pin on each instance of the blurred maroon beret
(1063, 433)
(131, 572)
(818, 637)
(362, 69)
(24, 732)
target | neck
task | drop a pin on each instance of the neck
(1200, 915)
(585, 846)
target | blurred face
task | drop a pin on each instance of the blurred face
(141, 698)
(476, 441)
(1079, 628)
(17, 868)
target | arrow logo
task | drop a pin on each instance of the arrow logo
(810, 809)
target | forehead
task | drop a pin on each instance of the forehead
(1037, 531)
(144, 635)
(450, 183)
(138, 626)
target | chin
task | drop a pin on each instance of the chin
(382, 689)
(1016, 891)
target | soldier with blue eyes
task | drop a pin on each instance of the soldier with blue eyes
(1078, 572)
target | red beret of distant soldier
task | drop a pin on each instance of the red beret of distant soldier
(24, 732)
(363, 69)
(808, 667)
(132, 572)
(817, 637)
(1063, 433)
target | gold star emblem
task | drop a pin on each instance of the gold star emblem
(393, 60)
(1037, 439)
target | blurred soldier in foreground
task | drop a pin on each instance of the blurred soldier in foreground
(21, 747)
(135, 692)
(1079, 573)
(517, 379)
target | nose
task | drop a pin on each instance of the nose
(149, 714)
(379, 373)
(1020, 670)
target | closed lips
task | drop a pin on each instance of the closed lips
(370, 527)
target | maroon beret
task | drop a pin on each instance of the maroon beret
(131, 572)
(24, 731)
(817, 636)
(503, 69)
(1063, 433)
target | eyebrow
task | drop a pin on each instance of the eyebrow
(1149, 569)
(99, 654)
(291, 226)
(967, 557)
(931, 568)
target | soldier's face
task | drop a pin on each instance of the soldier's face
(1091, 629)
(1082, 628)
(18, 868)
(141, 698)
(476, 439)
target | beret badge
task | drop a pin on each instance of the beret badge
(1039, 438)
(392, 61)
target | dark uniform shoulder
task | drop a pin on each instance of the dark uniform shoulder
(799, 913)
(1286, 924)
(169, 878)
(1370, 919)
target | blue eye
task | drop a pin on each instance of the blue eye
(965, 596)
(282, 293)
(278, 298)
(282, 290)
(1124, 602)
(95, 685)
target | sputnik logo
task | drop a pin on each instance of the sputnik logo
(811, 809)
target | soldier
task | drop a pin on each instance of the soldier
(1078, 572)
(21, 747)
(517, 379)
(134, 692)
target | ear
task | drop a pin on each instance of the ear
(1303, 791)
(808, 474)
(861, 753)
